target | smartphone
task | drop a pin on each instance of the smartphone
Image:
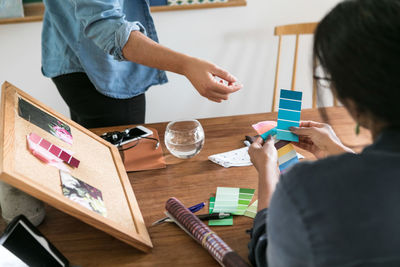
(134, 133)
(23, 245)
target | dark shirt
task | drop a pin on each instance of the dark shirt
(339, 211)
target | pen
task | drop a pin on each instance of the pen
(197, 207)
(203, 217)
(193, 209)
(213, 216)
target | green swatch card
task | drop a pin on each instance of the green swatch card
(218, 222)
(252, 210)
(233, 200)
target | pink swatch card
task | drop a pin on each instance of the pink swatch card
(264, 126)
(49, 153)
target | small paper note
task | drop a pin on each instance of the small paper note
(218, 222)
(82, 193)
(235, 158)
(288, 114)
(252, 210)
(233, 200)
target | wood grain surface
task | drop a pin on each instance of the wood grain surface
(191, 181)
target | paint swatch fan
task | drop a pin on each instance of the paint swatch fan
(288, 116)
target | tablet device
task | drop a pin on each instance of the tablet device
(23, 245)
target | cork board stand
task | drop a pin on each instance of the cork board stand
(100, 166)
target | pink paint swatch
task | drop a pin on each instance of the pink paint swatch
(264, 126)
(53, 149)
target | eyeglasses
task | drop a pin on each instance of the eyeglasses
(116, 138)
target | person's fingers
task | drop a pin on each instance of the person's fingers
(311, 124)
(222, 88)
(269, 140)
(224, 74)
(307, 131)
(259, 140)
(269, 143)
(253, 148)
(217, 100)
(216, 95)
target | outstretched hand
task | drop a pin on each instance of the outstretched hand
(319, 139)
(201, 74)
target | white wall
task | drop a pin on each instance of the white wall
(239, 39)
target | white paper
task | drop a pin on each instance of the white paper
(235, 158)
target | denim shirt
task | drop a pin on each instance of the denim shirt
(88, 36)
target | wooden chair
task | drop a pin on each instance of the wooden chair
(294, 29)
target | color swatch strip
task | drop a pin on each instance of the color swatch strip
(218, 222)
(53, 149)
(252, 210)
(287, 156)
(233, 200)
(272, 132)
(288, 114)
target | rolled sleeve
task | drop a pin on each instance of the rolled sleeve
(122, 36)
(259, 240)
(104, 23)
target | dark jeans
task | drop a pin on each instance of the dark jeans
(92, 109)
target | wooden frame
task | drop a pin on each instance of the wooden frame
(293, 29)
(100, 166)
(34, 11)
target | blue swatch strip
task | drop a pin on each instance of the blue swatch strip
(270, 132)
(288, 115)
(288, 136)
(291, 94)
(290, 104)
(288, 163)
(285, 125)
(289, 110)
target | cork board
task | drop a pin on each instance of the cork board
(100, 166)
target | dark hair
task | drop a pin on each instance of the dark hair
(358, 46)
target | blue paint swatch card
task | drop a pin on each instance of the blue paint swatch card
(288, 114)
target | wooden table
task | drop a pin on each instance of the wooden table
(191, 181)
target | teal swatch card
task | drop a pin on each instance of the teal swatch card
(288, 114)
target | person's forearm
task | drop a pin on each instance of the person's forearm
(142, 50)
(267, 181)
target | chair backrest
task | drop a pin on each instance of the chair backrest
(294, 29)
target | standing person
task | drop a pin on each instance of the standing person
(103, 55)
(341, 210)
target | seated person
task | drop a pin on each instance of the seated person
(342, 209)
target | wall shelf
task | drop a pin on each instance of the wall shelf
(34, 11)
